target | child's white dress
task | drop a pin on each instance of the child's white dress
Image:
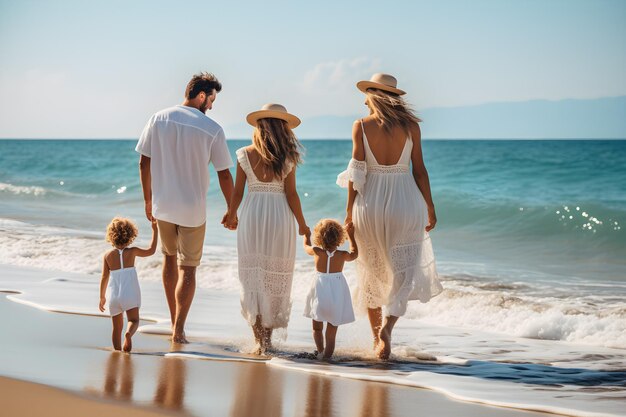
(124, 292)
(266, 249)
(329, 297)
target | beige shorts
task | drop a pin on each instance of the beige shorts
(186, 242)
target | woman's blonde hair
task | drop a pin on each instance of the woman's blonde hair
(121, 232)
(276, 144)
(328, 234)
(390, 110)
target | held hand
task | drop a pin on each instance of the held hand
(102, 303)
(348, 219)
(148, 208)
(432, 220)
(304, 230)
(350, 229)
(230, 221)
(307, 240)
(154, 224)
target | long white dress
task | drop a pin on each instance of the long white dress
(396, 261)
(266, 246)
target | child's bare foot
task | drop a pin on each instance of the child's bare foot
(128, 343)
(384, 348)
(180, 338)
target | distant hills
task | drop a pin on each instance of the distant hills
(603, 118)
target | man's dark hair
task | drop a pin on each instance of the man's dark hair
(203, 82)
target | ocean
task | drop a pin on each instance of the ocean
(529, 244)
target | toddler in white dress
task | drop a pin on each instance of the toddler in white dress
(123, 285)
(329, 297)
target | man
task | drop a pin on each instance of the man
(176, 147)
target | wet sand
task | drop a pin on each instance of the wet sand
(71, 353)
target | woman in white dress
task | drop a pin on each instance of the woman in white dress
(390, 203)
(266, 239)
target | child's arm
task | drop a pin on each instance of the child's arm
(230, 220)
(354, 249)
(153, 245)
(104, 281)
(294, 203)
(306, 240)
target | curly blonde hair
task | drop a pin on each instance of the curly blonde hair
(121, 232)
(328, 234)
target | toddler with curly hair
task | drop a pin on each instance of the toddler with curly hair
(329, 297)
(123, 286)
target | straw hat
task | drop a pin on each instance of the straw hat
(385, 82)
(275, 111)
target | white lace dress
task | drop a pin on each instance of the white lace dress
(266, 246)
(396, 261)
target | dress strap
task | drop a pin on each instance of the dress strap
(121, 258)
(330, 255)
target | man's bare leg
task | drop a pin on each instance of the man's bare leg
(376, 321)
(185, 290)
(170, 278)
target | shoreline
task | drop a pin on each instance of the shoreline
(66, 352)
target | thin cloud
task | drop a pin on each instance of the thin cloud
(335, 76)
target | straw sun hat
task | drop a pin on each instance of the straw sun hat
(380, 81)
(275, 111)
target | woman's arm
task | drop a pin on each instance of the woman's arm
(358, 153)
(230, 220)
(420, 175)
(104, 281)
(153, 245)
(293, 199)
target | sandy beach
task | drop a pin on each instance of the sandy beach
(64, 360)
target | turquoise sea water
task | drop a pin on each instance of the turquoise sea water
(555, 205)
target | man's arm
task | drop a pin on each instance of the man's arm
(146, 184)
(226, 185)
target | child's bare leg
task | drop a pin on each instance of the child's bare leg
(116, 336)
(318, 335)
(376, 321)
(385, 337)
(133, 324)
(331, 332)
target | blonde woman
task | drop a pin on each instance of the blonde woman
(390, 203)
(266, 239)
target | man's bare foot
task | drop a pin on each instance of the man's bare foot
(384, 348)
(128, 343)
(180, 338)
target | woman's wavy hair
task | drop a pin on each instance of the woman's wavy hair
(390, 110)
(121, 232)
(276, 144)
(328, 234)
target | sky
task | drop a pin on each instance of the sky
(99, 69)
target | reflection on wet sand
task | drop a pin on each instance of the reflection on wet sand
(170, 391)
(259, 391)
(375, 402)
(319, 401)
(119, 378)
